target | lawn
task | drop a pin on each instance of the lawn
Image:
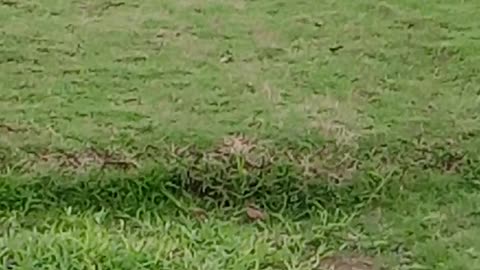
(240, 134)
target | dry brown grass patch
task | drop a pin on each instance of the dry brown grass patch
(82, 160)
(329, 162)
(338, 121)
(255, 152)
(344, 262)
(12, 128)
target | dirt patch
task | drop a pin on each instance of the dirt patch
(265, 37)
(330, 162)
(337, 121)
(12, 128)
(344, 262)
(238, 144)
(254, 152)
(81, 160)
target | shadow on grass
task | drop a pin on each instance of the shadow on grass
(280, 187)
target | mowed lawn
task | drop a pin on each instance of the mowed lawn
(246, 134)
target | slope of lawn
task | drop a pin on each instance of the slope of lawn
(240, 134)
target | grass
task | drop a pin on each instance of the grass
(239, 134)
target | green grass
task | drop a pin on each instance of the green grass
(137, 134)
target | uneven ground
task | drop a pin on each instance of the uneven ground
(240, 134)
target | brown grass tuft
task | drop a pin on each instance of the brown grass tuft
(82, 160)
(343, 262)
(337, 121)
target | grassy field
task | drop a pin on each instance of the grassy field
(240, 134)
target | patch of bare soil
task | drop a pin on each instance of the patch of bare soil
(254, 152)
(330, 162)
(11, 128)
(80, 160)
(343, 262)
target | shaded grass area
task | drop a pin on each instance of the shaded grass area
(121, 225)
(194, 213)
(239, 135)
